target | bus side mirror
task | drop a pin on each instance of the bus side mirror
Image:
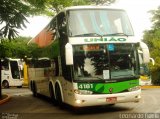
(69, 54)
(152, 61)
(145, 50)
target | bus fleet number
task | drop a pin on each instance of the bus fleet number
(85, 86)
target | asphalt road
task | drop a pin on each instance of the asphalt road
(24, 106)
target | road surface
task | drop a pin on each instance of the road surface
(24, 106)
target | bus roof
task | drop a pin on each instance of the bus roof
(44, 37)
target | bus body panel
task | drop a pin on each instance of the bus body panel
(95, 100)
(36, 75)
(70, 97)
(6, 76)
(128, 94)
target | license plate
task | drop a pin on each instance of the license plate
(111, 99)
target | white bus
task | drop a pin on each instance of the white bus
(94, 57)
(11, 73)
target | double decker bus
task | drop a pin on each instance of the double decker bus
(12, 72)
(94, 57)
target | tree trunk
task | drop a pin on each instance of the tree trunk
(0, 79)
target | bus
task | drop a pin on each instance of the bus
(39, 69)
(11, 72)
(94, 58)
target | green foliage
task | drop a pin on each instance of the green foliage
(102, 1)
(12, 14)
(17, 48)
(51, 7)
(93, 2)
(156, 18)
(80, 2)
(152, 38)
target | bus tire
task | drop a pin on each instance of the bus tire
(34, 89)
(5, 84)
(19, 86)
(52, 95)
(31, 87)
(111, 104)
(58, 95)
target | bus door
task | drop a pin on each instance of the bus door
(15, 72)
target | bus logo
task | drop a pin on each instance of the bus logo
(105, 39)
(111, 90)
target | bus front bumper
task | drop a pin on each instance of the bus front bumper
(104, 99)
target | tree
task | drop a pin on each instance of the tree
(17, 48)
(156, 18)
(102, 1)
(52, 7)
(152, 38)
(82, 2)
(13, 13)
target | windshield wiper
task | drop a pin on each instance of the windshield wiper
(89, 34)
(112, 34)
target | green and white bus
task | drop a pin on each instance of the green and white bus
(94, 58)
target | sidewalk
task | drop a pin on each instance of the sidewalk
(4, 98)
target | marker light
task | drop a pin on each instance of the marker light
(79, 101)
(134, 88)
(83, 92)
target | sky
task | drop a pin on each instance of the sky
(137, 11)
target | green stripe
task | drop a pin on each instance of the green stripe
(116, 87)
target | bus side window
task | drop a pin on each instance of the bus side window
(62, 24)
(5, 65)
(53, 27)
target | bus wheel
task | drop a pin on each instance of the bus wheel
(34, 89)
(58, 96)
(19, 86)
(52, 95)
(111, 104)
(5, 84)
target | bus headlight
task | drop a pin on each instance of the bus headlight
(83, 92)
(134, 88)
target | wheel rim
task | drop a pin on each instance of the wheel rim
(5, 84)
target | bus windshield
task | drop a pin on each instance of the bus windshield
(98, 22)
(105, 61)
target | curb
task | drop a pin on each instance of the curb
(149, 87)
(6, 99)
